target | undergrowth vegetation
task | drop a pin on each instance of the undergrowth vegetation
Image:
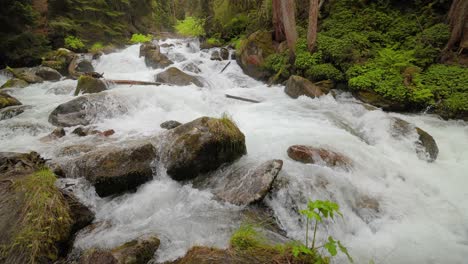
(140, 38)
(190, 27)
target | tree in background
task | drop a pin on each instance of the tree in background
(278, 26)
(288, 8)
(458, 20)
(313, 24)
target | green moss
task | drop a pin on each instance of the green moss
(214, 41)
(74, 43)
(228, 131)
(325, 71)
(190, 26)
(246, 237)
(140, 38)
(44, 221)
(96, 47)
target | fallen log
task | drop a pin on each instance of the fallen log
(131, 82)
(242, 99)
(225, 67)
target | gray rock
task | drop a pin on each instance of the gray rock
(12, 111)
(216, 56)
(201, 146)
(84, 66)
(48, 74)
(224, 53)
(177, 77)
(191, 67)
(153, 56)
(7, 100)
(297, 86)
(170, 124)
(15, 83)
(88, 84)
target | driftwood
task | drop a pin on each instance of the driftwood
(242, 99)
(131, 82)
(225, 67)
(72, 68)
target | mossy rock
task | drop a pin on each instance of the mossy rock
(88, 84)
(26, 74)
(15, 82)
(177, 77)
(7, 100)
(373, 98)
(252, 54)
(201, 146)
(297, 86)
(59, 60)
(153, 56)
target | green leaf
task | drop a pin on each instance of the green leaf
(331, 246)
(345, 251)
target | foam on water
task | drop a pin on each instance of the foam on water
(423, 207)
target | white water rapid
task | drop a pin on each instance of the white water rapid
(422, 215)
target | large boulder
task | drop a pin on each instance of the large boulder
(201, 146)
(426, 146)
(7, 100)
(375, 99)
(244, 185)
(26, 74)
(309, 154)
(88, 84)
(177, 77)
(12, 111)
(253, 52)
(114, 169)
(84, 66)
(48, 74)
(153, 56)
(59, 60)
(85, 109)
(297, 86)
(138, 251)
(224, 53)
(15, 83)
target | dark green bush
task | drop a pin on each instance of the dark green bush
(325, 71)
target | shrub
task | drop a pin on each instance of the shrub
(246, 237)
(190, 26)
(96, 47)
(214, 41)
(74, 43)
(140, 38)
(324, 71)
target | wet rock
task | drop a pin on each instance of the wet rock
(297, 86)
(82, 216)
(107, 133)
(59, 60)
(191, 67)
(12, 111)
(170, 124)
(80, 131)
(115, 169)
(201, 146)
(6, 100)
(245, 185)
(88, 84)
(426, 146)
(59, 132)
(75, 150)
(138, 251)
(309, 154)
(86, 131)
(216, 56)
(48, 74)
(252, 54)
(167, 45)
(15, 83)
(26, 74)
(177, 57)
(224, 53)
(84, 66)
(85, 109)
(372, 98)
(13, 163)
(177, 77)
(153, 56)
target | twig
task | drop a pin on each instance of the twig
(225, 67)
(242, 99)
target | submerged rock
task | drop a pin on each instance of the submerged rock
(59, 60)
(115, 169)
(12, 111)
(309, 154)
(153, 56)
(85, 109)
(372, 98)
(26, 74)
(15, 83)
(170, 124)
(426, 146)
(84, 66)
(245, 185)
(6, 100)
(177, 77)
(48, 74)
(59, 132)
(138, 251)
(253, 52)
(297, 86)
(191, 67)
(88, 84)
(201, 146)
(216, 56)
(224, 53)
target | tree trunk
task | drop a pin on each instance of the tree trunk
(289, 21)
(278, 21)
(313, 23)
(458, 20)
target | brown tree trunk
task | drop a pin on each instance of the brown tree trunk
(458, 20)
(313, 23)
(278, 21)
(289, 21)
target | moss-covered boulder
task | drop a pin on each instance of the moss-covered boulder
(201, 146)
(26, 74)
(426, 146)
(15, 83)
(88, 84)
(59, 60)
(138, 251)
(114, 169)
(253, 52)
(153, 56)
(48, 74)
(7, 100)
(297, 86)
(177, 77)
(373, 98)
(309, 154)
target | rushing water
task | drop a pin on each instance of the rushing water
(423, 207)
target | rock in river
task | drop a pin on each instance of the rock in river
(309, 154)
(297, 86)
(177, 77)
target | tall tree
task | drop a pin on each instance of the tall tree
(313, 23)
(278, 21)
(289, 21)
(458, 20)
